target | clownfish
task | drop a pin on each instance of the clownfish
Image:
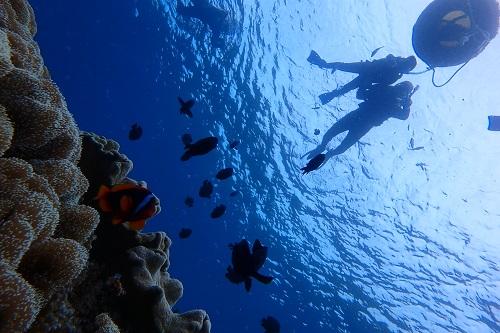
(128, 204)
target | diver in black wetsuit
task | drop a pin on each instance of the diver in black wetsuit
(380, 102)
(382, 71)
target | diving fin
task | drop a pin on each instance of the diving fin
(315, 59)
(327, 97)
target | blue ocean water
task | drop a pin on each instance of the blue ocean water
(381, 239)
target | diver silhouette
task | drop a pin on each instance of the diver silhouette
(381, 71)
(380, 102)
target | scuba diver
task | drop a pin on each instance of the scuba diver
(384, 71)
(380, 102)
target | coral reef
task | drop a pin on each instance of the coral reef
(102, 163)
(63, 267)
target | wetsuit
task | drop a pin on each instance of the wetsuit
(380, 103)
(381, 71)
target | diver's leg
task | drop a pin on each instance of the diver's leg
(342, 125)
(353, 67)
(327, 97)
(355, 134)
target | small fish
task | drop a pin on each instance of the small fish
(200, 147)
(189, 201)
(234, 193)
(206, 189)
(129, 204)
(186, 107)
(218, 211)
(417, 148)
(316, 107)
(135, 132)
(375, 51)
(246, 264)
(185, 233)
(412, 143)
(234, 144)
(224, 173)
(316, 131)
(270, 324)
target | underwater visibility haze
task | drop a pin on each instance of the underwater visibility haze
(398, 234)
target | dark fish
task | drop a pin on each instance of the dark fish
(185, 233)
(135, 132)
(412, 143)
(206, 189)
(316, 131)
(316, 107)
(128, 203)
(189, 201)
(234, 193)
(200, 147)
(224, 173)
(218, 211)
(270, 324)
(186, 107)
(313, 164)
(375, 51)
(417, 148)
(234, 144)
(246, 264)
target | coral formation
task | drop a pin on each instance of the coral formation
(63, 267)
(6, 131)
(102, 163)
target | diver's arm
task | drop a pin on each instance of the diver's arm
(403, 112)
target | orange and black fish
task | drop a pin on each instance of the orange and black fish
(128, 203)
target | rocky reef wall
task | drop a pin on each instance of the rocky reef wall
(63, 266)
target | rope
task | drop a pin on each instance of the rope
(421, 72)
(447, 81)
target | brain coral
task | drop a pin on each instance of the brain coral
(39, 181)
(43, 126)
(6, 131)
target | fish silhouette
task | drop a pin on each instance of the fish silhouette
(224, 173)
(206, 189)
(185, 233)
(218, 211)
(270, 324)
(135, 132)
(246, 264)
(375, 51)
(200, 147)
(186, 107)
